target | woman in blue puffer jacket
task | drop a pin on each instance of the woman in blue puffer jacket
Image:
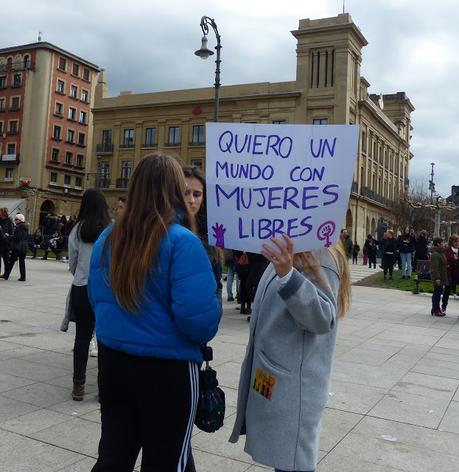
(153, 292)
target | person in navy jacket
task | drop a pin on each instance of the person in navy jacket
(153, 292)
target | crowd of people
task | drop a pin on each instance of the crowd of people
(149, 286)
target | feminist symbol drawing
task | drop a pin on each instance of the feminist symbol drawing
(219, 235)
(325, 232)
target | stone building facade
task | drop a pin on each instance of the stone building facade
(46, 95)
(328, 89)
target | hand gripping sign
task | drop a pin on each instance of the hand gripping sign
(266, 180)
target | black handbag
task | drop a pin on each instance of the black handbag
(210, 412)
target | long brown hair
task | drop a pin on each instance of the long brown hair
(155, 197)
(309, 263)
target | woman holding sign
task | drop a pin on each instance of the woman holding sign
(284, 381)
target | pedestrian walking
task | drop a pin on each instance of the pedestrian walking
(153, 290)
(421, 250)
(6, 231)
(439, 273)
(389, 249)
(355, 253)
(406, 247)
(371, 250)
(452, 260)
(347, 242)
(231, 275)
(92, 219)
(19, 247)
(284, 382)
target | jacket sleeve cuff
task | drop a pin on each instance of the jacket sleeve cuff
(292, 286)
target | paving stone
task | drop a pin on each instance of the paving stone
(39, 394)
(34, 422)
(20, 454)
(413, 409)
(354, 398)
(76, 435)
(450, 421)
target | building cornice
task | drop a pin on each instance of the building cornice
(383, 119)
(49, 47)
(193, 100)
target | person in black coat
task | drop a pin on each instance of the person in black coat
(371, 250)
(19, 247)
(6, 231)
(421, 252)
(389, 248)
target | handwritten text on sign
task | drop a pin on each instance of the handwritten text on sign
(266, 180)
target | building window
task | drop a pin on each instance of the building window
(13, 127)
(67, 180)
(85, 73)
(62, 64)
(70, 136)
(68, 158)
(83, 115)
(150, 137)
(59, 109)
(126, 169)
(85, 96)
(9, 174)
(2, 104)
(2, 82)
(60, 88)
(78, 182)
(11, 148)
(320, 121)
(107, 136)
(81, 139)
(80, 160)
(128, 137)
(26, 61)
(1, 130)
(364, 141)
(279, 122)
(173, 136)
(75, 69)
(17, 80)
(198, 134)
(55, 155)
(72, 114)
(73, 91)
(196, 163)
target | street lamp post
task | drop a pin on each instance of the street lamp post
(205, 52)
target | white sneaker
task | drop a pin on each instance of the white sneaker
(93, 348)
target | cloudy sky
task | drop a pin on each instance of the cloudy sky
(148, 45)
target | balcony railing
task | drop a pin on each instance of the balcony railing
(127, 145)
(366, 192)
(104, 148)
(355, 187)
(9, 159)
(17, 66)
(122, 182)
(102, 182)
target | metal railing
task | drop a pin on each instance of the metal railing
(102, 182)
(104, 148)
(122, 182)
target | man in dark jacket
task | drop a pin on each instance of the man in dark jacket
(19, 246)
(370, 249)
(390, 251)
(347, 242)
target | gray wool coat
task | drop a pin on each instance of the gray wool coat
(284, 382)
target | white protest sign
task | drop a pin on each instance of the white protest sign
(266, 180)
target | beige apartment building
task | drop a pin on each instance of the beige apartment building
(328, 89)
(46, 95)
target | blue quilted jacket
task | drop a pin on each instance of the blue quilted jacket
(180, 309)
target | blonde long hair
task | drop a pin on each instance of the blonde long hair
(309, 262)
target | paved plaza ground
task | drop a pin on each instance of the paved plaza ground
(394, 398)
